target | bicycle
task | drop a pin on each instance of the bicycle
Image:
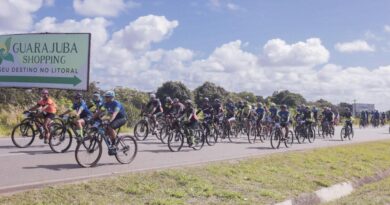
(23, 134)
(347, 131)
(277, 137)
(304, 131)
(124, 149)
(327, 129)
(177, 137)
(145, 126)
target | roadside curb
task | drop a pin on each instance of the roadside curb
(335, 191)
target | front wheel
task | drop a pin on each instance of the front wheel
(275, 139)
(290, 139)
(141, 130)
(211, 136)
(198, 140)
(88, 151)
(343, 134)
(23, 135)
(126, 149)
(60, 138)
(175, 141)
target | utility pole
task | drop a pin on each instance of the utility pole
(354, 107)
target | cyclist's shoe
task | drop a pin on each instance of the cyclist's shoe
(112, 150)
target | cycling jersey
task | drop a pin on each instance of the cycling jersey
(85, 111)
(348, 115)
(328, 116)
(178, 108)
(284, 116)
(190, 111)
(155, 104)
(306, 115)
(230, 108)
(273, 111)
(115, 106)
(51, 106)
(260, 113)
(217, 108)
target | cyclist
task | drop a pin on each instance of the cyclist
(206, 108)
(177, 108)
(48, 108)
(155, 109)
(190, 121)
(327, 117)
(230, 112)
(376, 117)
(273, 111)
(306, 116)
(82, 112)
(348, 118)
(284, 118)
(383, 118)
(218, 110)
(168, 106)
(314, 110)
(363, 118)
(260, 113)
(118, 116)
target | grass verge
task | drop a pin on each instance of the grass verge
(261, 180)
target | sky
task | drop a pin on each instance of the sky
(335, 50)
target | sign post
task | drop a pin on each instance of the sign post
(47, 60)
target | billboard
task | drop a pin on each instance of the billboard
(45, 60)
(364, 107)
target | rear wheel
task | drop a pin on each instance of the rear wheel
(211, 136)
(290, 140)
(23, 135)
(252, 134)
(343, 134)
(198, 140)
(126, 149)
(88, 151)
(310, 135)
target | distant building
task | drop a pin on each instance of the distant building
(358, 107)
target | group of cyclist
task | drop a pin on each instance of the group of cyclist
(374, 117)
(83, 113)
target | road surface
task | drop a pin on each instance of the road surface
(38, 166)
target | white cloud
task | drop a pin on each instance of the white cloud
(354, 46)
(106, 8)
(224, 4)
(387, 28)
(278, 53)
(144, 31)
(17, 15)
(49, 3)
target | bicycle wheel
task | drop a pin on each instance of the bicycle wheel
(164, 134)
(259, 134)
(275, 140)
(342, 134)
(290, 140)
(252, 135)
(141, 130)
(211, 136)
(175, 141)
(310, 135)
(60, 138)
(198, 140)
(126, 149)
(351, 134)
(88, 151)
(23, 135)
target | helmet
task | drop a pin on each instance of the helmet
(206, 99)
(175, 100)
(245, 103)
(110, 94)
(283, 106)
(78, 96)
(44, 91)
(168, 99)
(217, 100)
(273, 104)
(152, 96)
(259, 104)
(188, 102)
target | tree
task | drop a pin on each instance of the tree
(288, 98)
(209, 90)
(173, 89)
(248, 96)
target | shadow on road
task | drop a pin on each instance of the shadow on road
(55, 167)
(31, 152)
(261, 148)
(13, 146)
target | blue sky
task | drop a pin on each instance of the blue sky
(338, 50)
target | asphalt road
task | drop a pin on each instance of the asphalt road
(38, 166)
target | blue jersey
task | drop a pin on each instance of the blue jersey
(115, 106)
(284, 116)
(273, 111)
(82, 105)
(260, 111)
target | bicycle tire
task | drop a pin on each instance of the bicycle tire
(275, 140)
(199, 140)
(124, 148)
(290, 140)
(59, 133)
(139, 128)
(24, 127)
(94, 146)
(175, 141)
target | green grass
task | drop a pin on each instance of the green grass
(375, 193)
(261, 180)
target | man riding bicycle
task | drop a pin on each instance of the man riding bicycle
(48, 108)
(348, 118)
(259, 113)
(82, 113)
(230, 112)
(190, 121)
(154, 108)
(284, 118)
(118, 115)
